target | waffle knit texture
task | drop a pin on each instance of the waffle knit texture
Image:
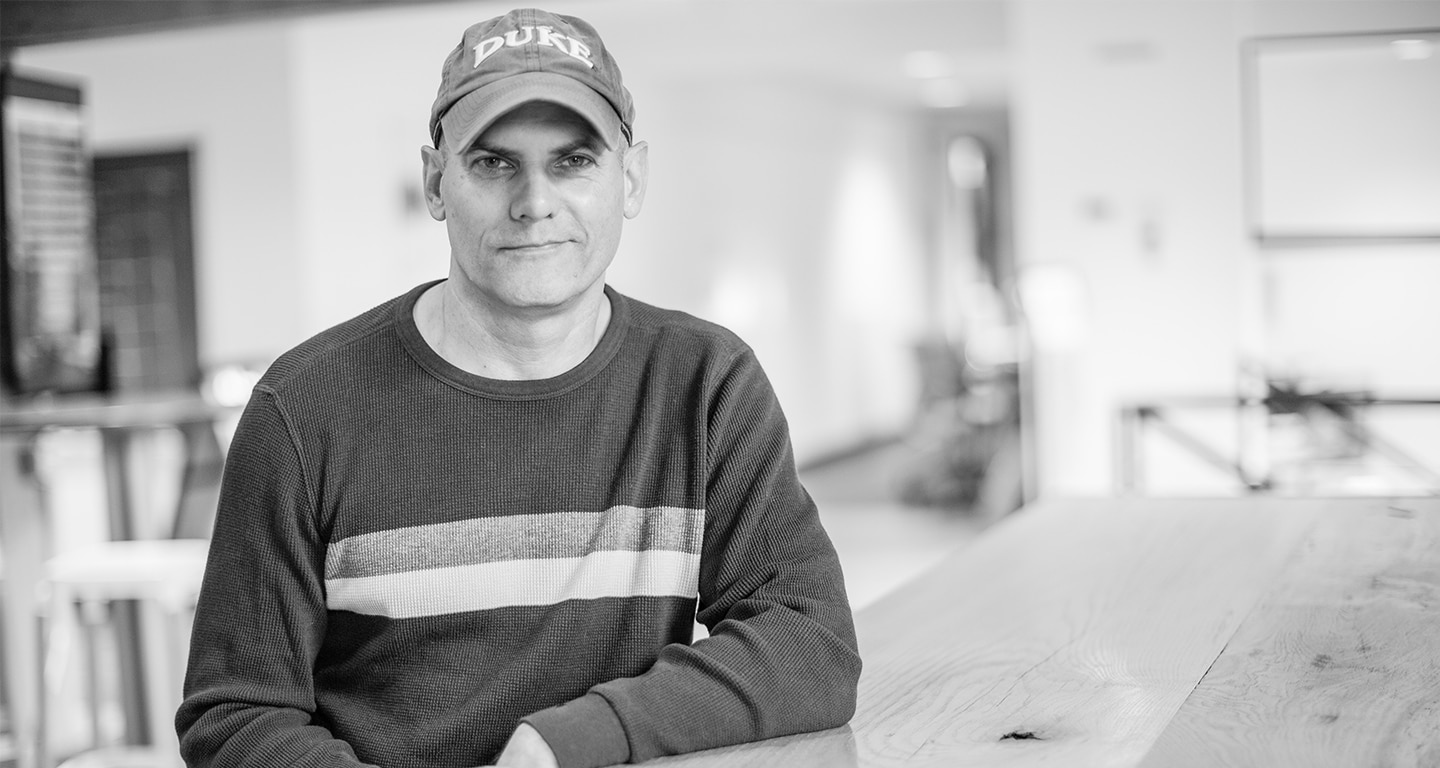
(409, 560)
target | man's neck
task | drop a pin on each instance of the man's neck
(505, 344)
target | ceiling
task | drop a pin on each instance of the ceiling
(857, 44)
(33, 22)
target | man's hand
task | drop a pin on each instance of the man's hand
(527, 749)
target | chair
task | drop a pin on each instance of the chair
(163, 578)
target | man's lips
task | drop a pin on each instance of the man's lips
(537, 246)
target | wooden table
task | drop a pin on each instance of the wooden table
(1142, 632)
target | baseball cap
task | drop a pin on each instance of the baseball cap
(529, 55)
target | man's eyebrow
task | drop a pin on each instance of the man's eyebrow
(590, 143)
(476, 147)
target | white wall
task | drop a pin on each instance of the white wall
(812, 255)
(784, 208)
(362, 86)
(778, 208)
(1128, 177)
(1128, 126)
(223, 93)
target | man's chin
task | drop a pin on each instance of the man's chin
(542, 302)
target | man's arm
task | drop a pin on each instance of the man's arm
(781, 657)
(249, 691)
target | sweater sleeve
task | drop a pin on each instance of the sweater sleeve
(781, 657)
(249, 692)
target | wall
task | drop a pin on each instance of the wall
(1126, 170)
(224, 94)
(1128, 130)
(812, 256)
(784, 208)
(362, 92)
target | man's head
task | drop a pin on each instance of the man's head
(533, 169)
(529, 55)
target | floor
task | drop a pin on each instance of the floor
(881, 541)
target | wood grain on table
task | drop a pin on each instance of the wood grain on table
(1148, 632)
(1339, 666)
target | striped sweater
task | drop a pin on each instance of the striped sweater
(409, 560)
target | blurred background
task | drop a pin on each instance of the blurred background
(987, 250)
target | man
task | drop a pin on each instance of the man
(478, 522)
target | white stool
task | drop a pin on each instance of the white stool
(163, 577)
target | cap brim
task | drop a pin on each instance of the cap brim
(475, 111)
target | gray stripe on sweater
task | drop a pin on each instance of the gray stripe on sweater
(518, 537)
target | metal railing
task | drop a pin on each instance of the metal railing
(1248, 464)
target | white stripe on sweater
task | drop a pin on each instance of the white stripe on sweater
(439, 591)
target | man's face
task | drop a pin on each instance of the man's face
(534, 207)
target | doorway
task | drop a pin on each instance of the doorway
(145, 246)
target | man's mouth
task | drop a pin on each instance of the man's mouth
(535, 247)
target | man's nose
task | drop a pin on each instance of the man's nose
(533, 195)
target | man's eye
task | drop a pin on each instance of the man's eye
(577, 161)
(490, 163)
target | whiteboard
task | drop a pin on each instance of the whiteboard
(1343, 136)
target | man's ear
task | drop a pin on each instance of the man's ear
(637, 175)
(434, 170)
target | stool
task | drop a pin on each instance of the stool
(163, 577)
